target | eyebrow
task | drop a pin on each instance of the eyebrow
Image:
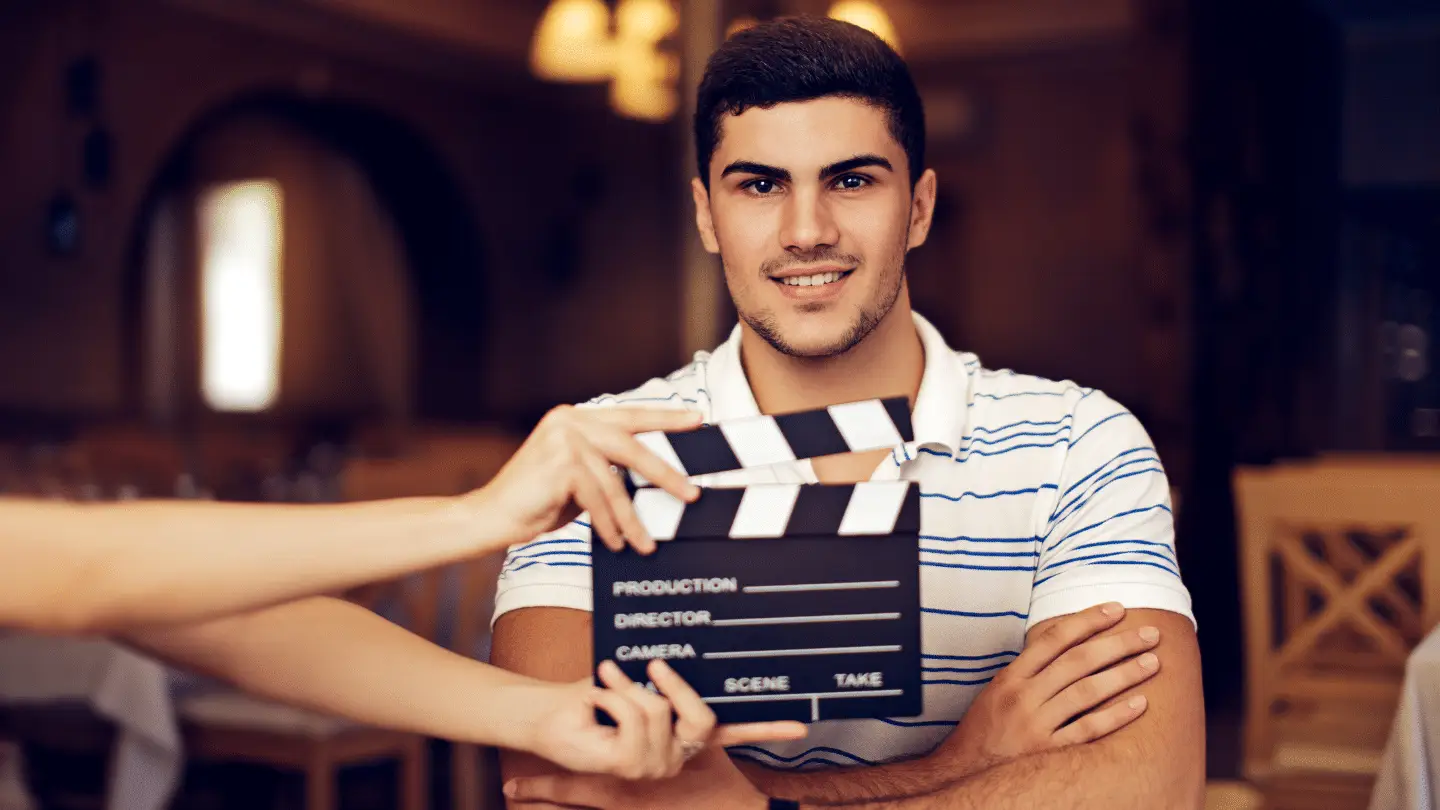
(783, 175)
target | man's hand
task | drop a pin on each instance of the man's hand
(1047, 697)
(643, 744)
(710, 782)
(565, 468)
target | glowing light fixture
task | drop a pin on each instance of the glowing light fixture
(867, 15)
(242, 234)
(572, 42)
(642, 85)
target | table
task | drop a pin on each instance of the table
(1410, 767)
(130, 690)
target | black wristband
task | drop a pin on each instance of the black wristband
(783, 804)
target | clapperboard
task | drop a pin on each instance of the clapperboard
(774, 601)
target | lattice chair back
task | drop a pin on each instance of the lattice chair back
(1340, 567)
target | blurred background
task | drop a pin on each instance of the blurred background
(319, 250)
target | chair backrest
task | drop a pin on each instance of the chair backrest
(450, 605)
(1340, 567)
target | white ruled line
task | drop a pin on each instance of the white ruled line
(883, 648)
(822, 586)
(839, 617)
(872, 693)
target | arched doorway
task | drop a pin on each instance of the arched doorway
(378, 277)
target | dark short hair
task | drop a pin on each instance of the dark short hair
(804, 58)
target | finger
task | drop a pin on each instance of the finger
(1062, 634)
(747, 733)
(626, 451)
(660, 754)
(566, 789)
(622, 509)
(1086, 694)
(625, 751)
(1090, 657)
(644, 420)
(1101, 722)
(592, 499)
(696, 719)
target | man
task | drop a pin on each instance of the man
(1040, 500)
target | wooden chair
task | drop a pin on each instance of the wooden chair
(230, 726)
(1340, 567)
(475, 770)
(442, 462)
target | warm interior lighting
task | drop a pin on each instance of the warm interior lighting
(241, 239)
(869, 16)
(643, 82)
(572, 42)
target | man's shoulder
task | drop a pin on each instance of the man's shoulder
(682, 388)
(1002, 400)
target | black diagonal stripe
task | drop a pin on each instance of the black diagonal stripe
(819, 509)
(712, 515)
(704, 451)
(908, 521)
(811, 434)
(899, 410)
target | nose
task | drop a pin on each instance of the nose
(807, 223)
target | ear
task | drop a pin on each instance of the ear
(703, 221)
(922, 209)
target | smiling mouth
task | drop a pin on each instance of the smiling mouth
(816, 280)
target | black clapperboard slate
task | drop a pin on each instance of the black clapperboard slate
(773, 601)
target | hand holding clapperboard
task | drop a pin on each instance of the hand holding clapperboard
(774, 601)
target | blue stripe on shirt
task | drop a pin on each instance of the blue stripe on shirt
(1100, 523)
(976, 615)
(823, 749)
(988, 495)
(1091, 429)
(1166, 569)
(970, 657)
(1063, 511)
(917, 723)
(1098, 470)
(550, 564)
(1089, 496)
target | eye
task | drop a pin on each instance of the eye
(760, 186)
(851, 182)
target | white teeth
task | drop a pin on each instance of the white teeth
(812, 281)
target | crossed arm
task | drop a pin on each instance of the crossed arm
(1155, 761)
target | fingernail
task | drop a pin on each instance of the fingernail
(510, 789)
(1112, 609)
(1149, 635)
(1149, 661)
(1137, 703)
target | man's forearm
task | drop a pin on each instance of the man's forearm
(1098, 776)
(912, 777)
(335, 657)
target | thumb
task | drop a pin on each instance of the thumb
(744, 733)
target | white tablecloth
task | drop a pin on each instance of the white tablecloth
(1410, 769)
(118, 684)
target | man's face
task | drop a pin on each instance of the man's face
(811, 210)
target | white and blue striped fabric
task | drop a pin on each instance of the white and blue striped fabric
(1038, 499)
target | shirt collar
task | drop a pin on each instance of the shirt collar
(939, 415)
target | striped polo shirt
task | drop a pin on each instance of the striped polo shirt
(1038, 499)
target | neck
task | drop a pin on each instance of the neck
(889, 362)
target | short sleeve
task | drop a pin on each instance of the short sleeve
(553, 570)
(1111, 536)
